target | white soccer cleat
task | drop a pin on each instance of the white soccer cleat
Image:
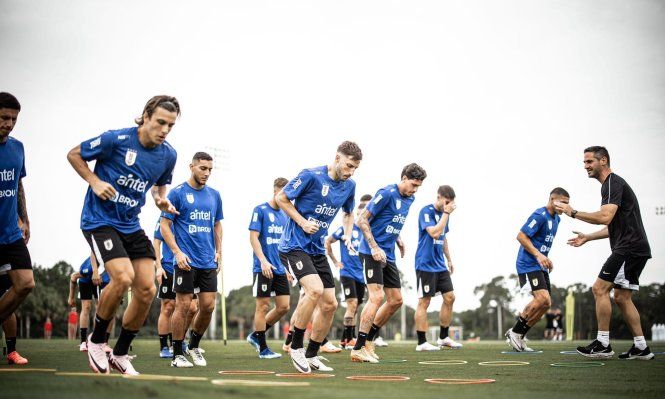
(123, 364)
(181, 361)
(329, 347)
(315, 363)
(515, 340)
(97, 357)
(197, 357)
(369, 348)
(83, 347)
(378, 341)
(362, 356)
(300, 361)
(427, 347)
(449, 343)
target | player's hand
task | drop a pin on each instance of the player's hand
(267, 268)
(449, 207)
(25, 230)
(309, 227)
(70, 301)
(579, 240)
(339, 265)
(349, 245)
(165, 205)
(545, 262)
(451, 268)
(401, 247)
(103, 190)
(289, 278)
(160, 274)
(563, 207)
(379, 254)
(96, 280)
(183, 261)
(218, 261)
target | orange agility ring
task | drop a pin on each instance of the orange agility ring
(378, 378)
(246, 372)
(301, 375)
(459, 381)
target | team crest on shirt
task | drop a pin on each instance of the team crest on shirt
(264, 287)
(354, 234)
(299, 265)
(534, 282)
(108, 245)
(347, 291)
(426, 288)
(190, 198)
(370, 273)
(437, 218)
(130, 157)
(179, 281)
(271, 216)
(398, 203)
(324, 190)
(549, 224)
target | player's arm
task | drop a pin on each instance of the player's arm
(582, 238)
(96, 280)
(603, 216)
(287, 206)
(72, 287)
(525, 242)
(446, 253)
(330, 240)
(169, 238)
(363, 224)
(23, 212)
(101, 188)
(159, 270)
(266, 266)
(161, 201)
(218, 233)
(400, 246)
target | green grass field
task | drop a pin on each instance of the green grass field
(538, 379)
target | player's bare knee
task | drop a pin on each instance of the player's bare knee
(329, 306)
(599, 289)
(282, 309)
(395, 303)
(168, 307)
(315, 293)
(449, 298)
(621, 299)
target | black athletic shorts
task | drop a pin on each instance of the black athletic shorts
(538, 280)
(108, 243)
(5, 283)
(266, 287)
(301, 264)
(195, 280)
(430, 284)
(87, 291)
(15, 255)
(166, 287)
(385, 274)
(353, 289)
(624, 271)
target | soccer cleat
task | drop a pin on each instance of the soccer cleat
(123, 364)
(15, 358)
(107, 348)
(181, 361)
(202, 350)
(316, 364)
(343, 343)
(361, 356)
(515, 340)
(251, 339)
(527, 349)
(448, 342)
(329, 347)
(639, 354)
(596, 350)
(427, 347)
(97, 357)
(378, 341)
(165, 353)
(350, 344)
(300, 361)
(286, 348)
(369, 347)
(184, 347)
(268, 354)
(197, 357)
(83, 347)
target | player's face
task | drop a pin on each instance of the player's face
(201, 170)
(345, 166)
(559, 198)
(592, 165)
(410, 186)
(8, 118)
(159, 125)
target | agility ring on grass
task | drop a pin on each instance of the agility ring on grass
(8, 370)
(88, 374)
(451, 362)
(500, 363)
(580, 365)
(521, 353)
(391, 361)
(459, 381)
(246, 372)
(160, 377)
(301, 375)
(378, 378)
(569, 353)
(259, 383)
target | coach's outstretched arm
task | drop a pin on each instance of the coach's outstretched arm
(101, 188)
(582, 238)
(603, 216)
(286, 205)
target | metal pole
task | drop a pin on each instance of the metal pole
(499, 321)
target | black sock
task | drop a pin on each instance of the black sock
(298, 336)
(261, 337)
(353, 331)
(422, 337)
(194, 339)
(348, 335)
(325, 341)
(360, 342)
(268, 326)
(312, 348)
(289, 338)
(84, 334)
(99, 330)
(124, 340)
(520, 326)
(373, 332)
(11, 344)
(177, 347)
(170, 339)
(163, 341)
(443, 332)
(107, 336)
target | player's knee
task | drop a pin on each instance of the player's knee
(124, 280)
(329, 306)
(282, 309)
(621, 299)
(376, 298)
(395, 303)
(449, 298)
(24, 287)
(145, 294)
(423, 302)
(545, 303)
(168, 307)
(315, 293)
(599, 289)
(263, 307)
(207, 308)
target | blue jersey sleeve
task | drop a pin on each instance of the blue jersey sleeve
(257, 220)
(298, 185)
(166, 177)
(100, 147)
(380, 200)
(337, 235)
(175, 200)
(533, 224)
(219, 213)
(425, 219)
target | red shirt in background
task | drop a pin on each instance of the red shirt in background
(73, 317)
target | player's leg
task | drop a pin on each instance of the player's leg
(393, 289)
(257, 337)
(200, 324)
(84, 321)
(420, 319)
(360, 351)
(623, 296)
(320, 327)
(292, 325)
(313, 288)
(166, 309)
(538, 284)
(10, 329)
(349, 322)
(23, 283)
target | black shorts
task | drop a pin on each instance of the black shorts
(87, 291)
(15, 255)
(195, 280)
(166, 287)
(538, 280)
(108, 243)
(266, 287)
(5, 283)
(353, 289)
(623, 270)
(385, 274)
(301, 264)
(430, 284)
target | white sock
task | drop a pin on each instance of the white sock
(640, 343)
(603, 337)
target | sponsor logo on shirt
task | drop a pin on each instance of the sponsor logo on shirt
(274, 229)
(200, 215)
(426, 216)
(135, 183)
(393, 230)
(96, 142)
(7, 193)
(325, 210)
(437, 242)
(7, 175)
(121, 199)
(399, 219)
(377, 199)
(130, 157)
(297, 183)
(193, 229)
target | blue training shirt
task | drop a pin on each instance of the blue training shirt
(429, 255)
(541, 228)
(12, 169)
(269, 222)
(353, 268)
(132, 170)
(317, 198)
(85, 270)
(194, 227)
(167, 255)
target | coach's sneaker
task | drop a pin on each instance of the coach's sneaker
(97, 357)
(181, 361)
(165, 353)
(268, 354)
(197, 357)
(300, 361)
(596, 350)
(252, 340)
(15, 358)
(83, 347)
(448, 342)
(427, 347)
(378, 341)
(329, 347)
(286, 348)
(362, 356)
(316, 364)
(634, 353)
(123, 364)
(515, 340)
(369, 347)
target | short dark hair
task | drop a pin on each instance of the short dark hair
(201, 156)
(362, 205)
(446, 192)
(169, 103)
(280, 182)
(9, 101)
(350, 149)
(599, 152)
(560, 191)
(365, 198)
(414, 172)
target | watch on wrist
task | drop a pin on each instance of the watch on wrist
(573, 214)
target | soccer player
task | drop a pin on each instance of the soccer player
(195, 238)
(381, 224)
(317, 194)
(533, 266)
(620, 213)
(164, 276)
(432, 272)
(129, 163)
(14, 222)
(270, 277)
(9, 326)
(350, 274)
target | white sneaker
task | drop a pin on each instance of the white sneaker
(316, 364)
(181, 361)
(378, 341)
(300, 361)
(123, 364)
(515, 340)
(329, 347)
(527, 349)
(97, 357)
(448, 342)
(361, 356)
(83, 347)
(427, 347)
(197, 357)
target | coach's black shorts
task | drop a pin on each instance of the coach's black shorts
(353, 289)
(430, 284)
(623, 270)
(108, 243)
(195, 280)
(538, 280)
(166, 287)
(266, 287)
(5, 283)
(87, 291)
(15, 255)
(385, 274)
(301, 264)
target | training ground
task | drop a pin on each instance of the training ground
(537, 380)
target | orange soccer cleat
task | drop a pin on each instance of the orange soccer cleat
(15, 358)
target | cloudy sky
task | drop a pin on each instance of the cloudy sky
(497, 99)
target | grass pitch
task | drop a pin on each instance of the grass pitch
(538, 379)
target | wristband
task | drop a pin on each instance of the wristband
(573, 213)
(447, 213)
